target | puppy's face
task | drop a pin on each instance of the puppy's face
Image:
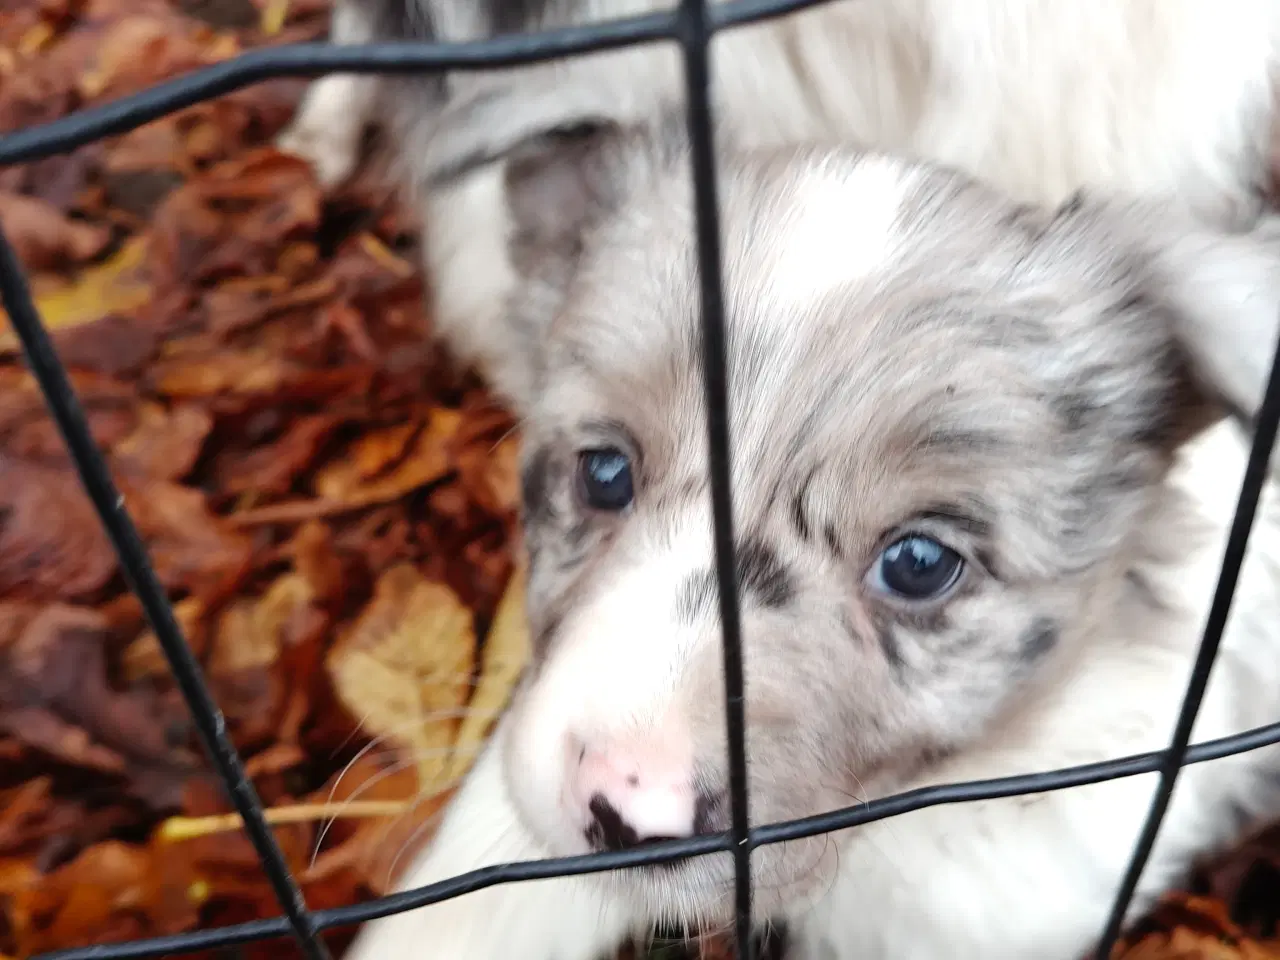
(948, 415)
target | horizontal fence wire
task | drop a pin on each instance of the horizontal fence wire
(692, 25)
(668, 851)
(314, 59)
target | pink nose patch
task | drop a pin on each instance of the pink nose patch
(628, 793)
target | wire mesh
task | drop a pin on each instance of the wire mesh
(691, 24)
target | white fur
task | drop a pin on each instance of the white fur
(944, 883)
(335, 111)
(1009, 878)
(1042, 97)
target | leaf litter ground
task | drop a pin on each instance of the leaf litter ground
(330, 505)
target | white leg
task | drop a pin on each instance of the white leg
(336, 110)
(561, 919)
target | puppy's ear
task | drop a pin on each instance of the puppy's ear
(1226, 292)
(510, 240)
(559, 184)
(1221, 294)
(486, 122)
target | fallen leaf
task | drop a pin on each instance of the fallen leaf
(253, 632)
(506, 650)
(138, 50)
(44, 237)
(55, 695)
(78, 902)
(144, 658)
(423, 461)
(404, 668)
(119, 285)
(28, 432)
(166, 442)
(272, 468)
(190, 547)
(51, 543)
(491, 475)
(314, 558)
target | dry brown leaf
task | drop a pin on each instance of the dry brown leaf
(313, 556)
(506, 650)
(144, 658)
(55, 696)
(138, 50)
(253, 632)
(165, 443)
(119, 285)
(272, 468)
(190, 547)
(44, 237)
(28, 432)
(51, 544)
(424, 460)
(404, 669)
(77, 903)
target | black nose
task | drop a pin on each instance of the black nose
(608, 831)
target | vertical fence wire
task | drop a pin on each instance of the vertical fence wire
(693, 25)
(1257, 469)
(695, 35)
(95, 476)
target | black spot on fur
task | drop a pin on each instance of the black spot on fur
(1039, 640)
(1143, 589)
(1075, 409)
(544, 636)
(762, 574)
(575, 540)
(799, 519)
(892, 651)
(762, 579)
(1072, 205)
(535, 488)
(959, 517)
(398, 20)
(948, 441)
(773, 942)
(516, 16)
(932, 756)
(833, 541)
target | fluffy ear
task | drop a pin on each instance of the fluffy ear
(1226, 288)
(1222, 290)
(559, 184)
(483, 123)
(505, 239)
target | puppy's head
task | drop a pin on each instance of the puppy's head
(949, 417)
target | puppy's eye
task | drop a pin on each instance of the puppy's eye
(604, 478)
(916, 567)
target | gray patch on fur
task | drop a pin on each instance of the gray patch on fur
(762, 579)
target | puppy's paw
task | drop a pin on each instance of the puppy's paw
(329, 126)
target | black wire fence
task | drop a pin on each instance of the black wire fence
(691, 25)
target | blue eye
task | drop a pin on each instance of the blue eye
(916, 568)
(604, 478)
